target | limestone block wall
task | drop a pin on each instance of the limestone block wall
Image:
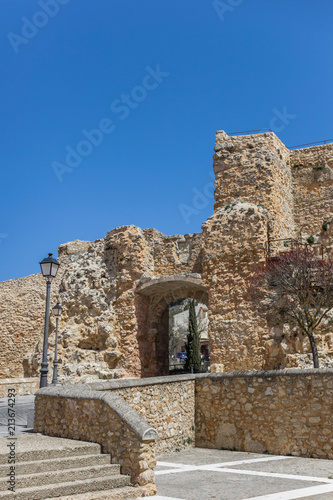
(167, 404)
(237, 336)
(22, 309)
(176, 254)
(313, 188)
(279, 412)
(256, 169)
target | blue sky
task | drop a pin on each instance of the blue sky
(157, 79)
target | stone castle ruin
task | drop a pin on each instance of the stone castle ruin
(116, 291)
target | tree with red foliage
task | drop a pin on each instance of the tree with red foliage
(296, 287)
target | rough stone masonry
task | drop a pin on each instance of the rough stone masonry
(115, 291)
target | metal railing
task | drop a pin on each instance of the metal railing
(283, 245)
(318, 143)
(248, 132)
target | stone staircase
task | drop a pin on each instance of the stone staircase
(60, 468)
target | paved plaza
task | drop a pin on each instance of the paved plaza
(204, 474)
(23, 408)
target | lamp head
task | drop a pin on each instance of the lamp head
(49, 267)
(57, 310)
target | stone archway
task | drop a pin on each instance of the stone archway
(155, 296)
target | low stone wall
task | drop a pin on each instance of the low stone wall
(280, 412)
(104, 418)
(166, 403)
(22, 386)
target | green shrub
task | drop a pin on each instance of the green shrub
(231, 205)
(311, 239)
(325, 226)
(318, 167)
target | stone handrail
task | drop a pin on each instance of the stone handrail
(115, 402)
(86, 414)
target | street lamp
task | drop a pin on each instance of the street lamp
(56, 311)
(49, 267)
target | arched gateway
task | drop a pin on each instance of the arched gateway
(158, 293)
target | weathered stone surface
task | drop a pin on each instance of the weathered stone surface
(115, 291)
(169, 408)
(312, 170)
(21, 386)
(255, 169)
(236, 335)
(281, 412)
(22, 308)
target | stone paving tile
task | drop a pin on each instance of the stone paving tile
(207, 456)
(303, 466)
(321, 497)
(23, 404)
(264, 477)
(206, 485)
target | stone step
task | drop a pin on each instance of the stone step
(62, 476)
(115, 494)
(57, 464)
(57, 450)
(74, 487)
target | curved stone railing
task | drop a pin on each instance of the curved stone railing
(86, 414)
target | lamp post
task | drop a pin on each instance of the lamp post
(56, 311)
(49, 267)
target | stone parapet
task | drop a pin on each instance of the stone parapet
(105, 418)
(22, 386)
(164, 403)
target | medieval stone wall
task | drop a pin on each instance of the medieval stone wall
(312, 170)
(100, 332)
(22, 309)
(237, 337)
(255, 169)
(115, 291)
